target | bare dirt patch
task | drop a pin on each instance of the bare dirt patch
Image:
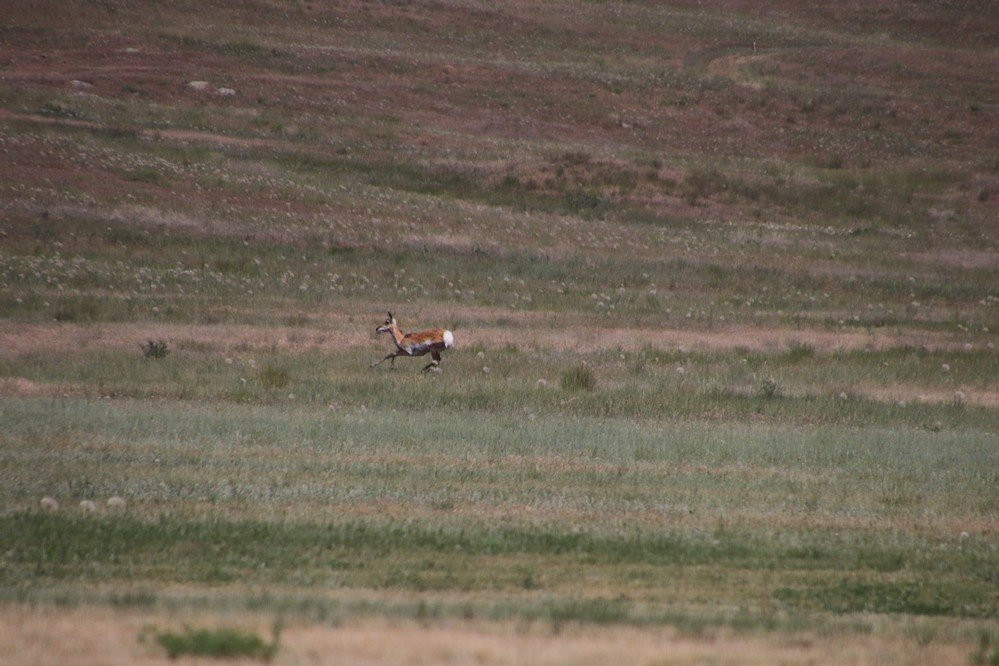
(592, 339)
(922, 394)
(968, 259)
(18, 339)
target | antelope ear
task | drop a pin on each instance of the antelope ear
(390, 316)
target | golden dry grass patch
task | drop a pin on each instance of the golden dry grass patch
(21, 387)
(31, 636)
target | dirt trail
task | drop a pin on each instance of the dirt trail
(532, 332)
(924, 394)
(153, 134)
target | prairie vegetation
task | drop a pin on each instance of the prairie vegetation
(723, 282)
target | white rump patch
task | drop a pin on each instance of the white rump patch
(448, 339)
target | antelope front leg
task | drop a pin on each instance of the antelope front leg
(389, 356)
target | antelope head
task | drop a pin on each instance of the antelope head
(387, 326)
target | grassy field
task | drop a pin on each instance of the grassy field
(723, 279)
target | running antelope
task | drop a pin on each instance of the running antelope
(431, 342)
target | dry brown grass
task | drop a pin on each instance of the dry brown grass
(86, 635)
(526, 330)
(925, 394)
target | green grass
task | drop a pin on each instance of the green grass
(671, 518)
(397, 556)
(781, 387)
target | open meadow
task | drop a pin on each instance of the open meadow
(723, 279)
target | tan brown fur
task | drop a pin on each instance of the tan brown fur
(433, 342)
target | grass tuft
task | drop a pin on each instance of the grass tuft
(154, 349)
(578, 378)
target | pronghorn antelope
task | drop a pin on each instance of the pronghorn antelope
(431, 342)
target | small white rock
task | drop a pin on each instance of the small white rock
(226, 92)
(964, 535)
(485, 369)
(542, 382)
(681, 370)
(945, 367)
(89, 506)
(968, 346)
(116, 502)
(198, 85)
(480, 355)
(80, 85)
(843, 395)
(960, 398)
(131, 49)
(49, 503)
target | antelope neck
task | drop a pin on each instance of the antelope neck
(396, 333)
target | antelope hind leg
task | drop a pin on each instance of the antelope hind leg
(434, 364)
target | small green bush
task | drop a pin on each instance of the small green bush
(154, 349)
(769, 388)
(223, 642)
(578, 378)
(986, 654)
(798, 352)
(581, 200)
(273, 377)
